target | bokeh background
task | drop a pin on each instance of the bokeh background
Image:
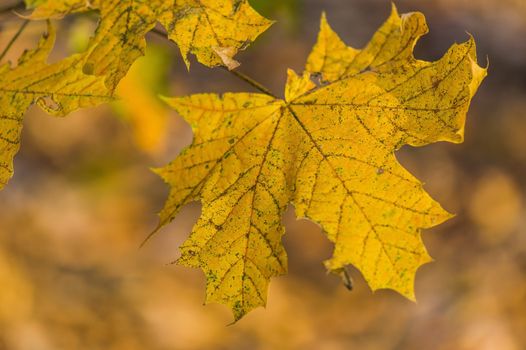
(83, 198)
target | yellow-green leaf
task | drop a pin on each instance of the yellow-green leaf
(214, 31)
(328, 149)
(58, 88)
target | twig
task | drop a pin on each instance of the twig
(13, 39)
(250, 81)
(235, 73)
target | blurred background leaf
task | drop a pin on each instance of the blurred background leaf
(140, 105)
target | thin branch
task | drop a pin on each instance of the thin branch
(250, 81)
(11, 7)
(235, 73)
(13, 39)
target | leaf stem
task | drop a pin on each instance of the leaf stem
(13, 39)
(252, 82)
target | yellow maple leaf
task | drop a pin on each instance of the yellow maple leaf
(212, 30)
(58, 88)
(329, 150)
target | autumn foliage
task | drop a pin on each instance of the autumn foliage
(328, 147)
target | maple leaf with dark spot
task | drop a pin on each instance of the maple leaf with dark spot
(328, 149)
(214, 31)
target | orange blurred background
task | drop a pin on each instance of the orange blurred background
(83, 198)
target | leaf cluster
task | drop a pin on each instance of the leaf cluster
(328, 147)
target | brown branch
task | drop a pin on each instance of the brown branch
(250, 81)
(239, 75)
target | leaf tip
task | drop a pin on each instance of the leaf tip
(323, 19)
(150, 236)
(394, 9)
(170, 101)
